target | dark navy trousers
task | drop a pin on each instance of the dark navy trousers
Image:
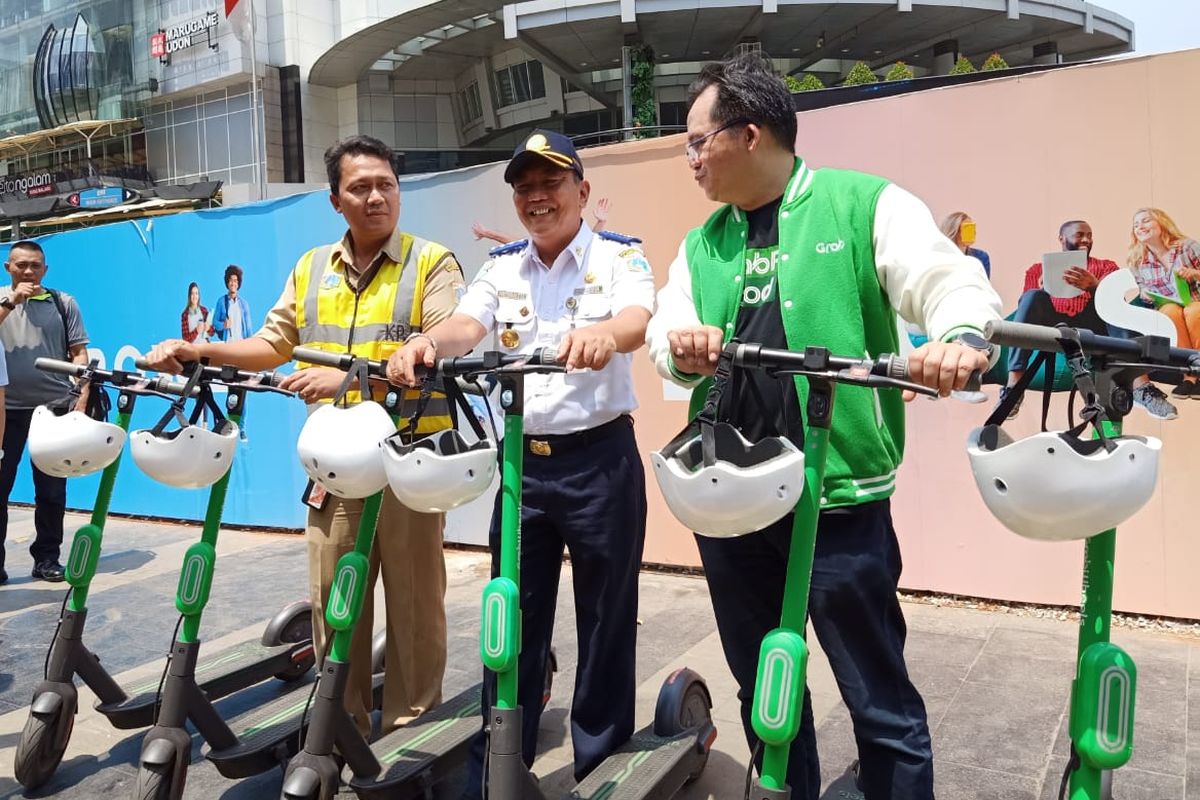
(857, 619)
(590, 498)
(50, 493)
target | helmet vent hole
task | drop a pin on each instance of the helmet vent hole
(713, 481)
(67, 461)
(1050, 450)
(84, 463)
(1001, 486)
(108, 440)
(470, 474)
(1131, 456)
(217, 455)
(332, 475)
(781, 492)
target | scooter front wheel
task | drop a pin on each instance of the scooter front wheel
(39, 752)
(153, 782)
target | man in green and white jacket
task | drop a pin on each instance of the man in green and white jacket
(798, 257)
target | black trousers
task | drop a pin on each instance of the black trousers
(592, 500)
(50, 493)
(854, 611)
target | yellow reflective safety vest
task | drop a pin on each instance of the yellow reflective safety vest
(374, 321)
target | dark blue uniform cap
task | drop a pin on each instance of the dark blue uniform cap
(550, 145)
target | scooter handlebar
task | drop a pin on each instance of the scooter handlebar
(59, 367)
(226, 374)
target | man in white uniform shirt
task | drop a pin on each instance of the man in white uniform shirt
(590, 295)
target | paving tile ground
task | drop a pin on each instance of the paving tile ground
(995, 685)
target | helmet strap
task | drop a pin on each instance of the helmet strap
(1017, 390)
(707, 418)
(1093, 410)
(357, 376)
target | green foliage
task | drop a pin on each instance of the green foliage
(807, 83)
(899, 72)
(962, 66)
(645, 112)
(993, 62)
(859, 74)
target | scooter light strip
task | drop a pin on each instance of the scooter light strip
(193, 578)
(346, 581)
(1114, 678)
(493, 632)
(612, 784)
(395, 755)
(290, 711)
(780, 660)
(81, 549)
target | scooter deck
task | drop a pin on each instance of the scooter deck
(218, 675)
(270, 734)
(647, 766)
(425, 750)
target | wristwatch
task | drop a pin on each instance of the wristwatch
(974, 341)
(8, 303)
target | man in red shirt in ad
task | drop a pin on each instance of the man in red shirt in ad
(1038, 307)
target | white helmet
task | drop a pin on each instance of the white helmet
(339, 448)
(1056, 486)
(749, 487)
(189, 457)
(74, 444)
(439, 472)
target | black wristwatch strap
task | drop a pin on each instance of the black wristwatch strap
(8, 303)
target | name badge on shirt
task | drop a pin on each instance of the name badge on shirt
(589, 290)
(332, 280)
(504, 294)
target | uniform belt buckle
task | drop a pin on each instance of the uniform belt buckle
(539, 447)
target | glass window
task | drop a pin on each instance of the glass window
(214, 108)
(158, 153)
(239, 102)
(187, 148)
(504, 87)
(187, 114)
(537, 79)
(520, 79)
(241, 148)
(216, 143)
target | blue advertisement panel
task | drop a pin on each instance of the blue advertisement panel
(133, 281)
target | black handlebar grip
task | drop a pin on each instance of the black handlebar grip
(1022, 334)
(59, 367)
(322, 358)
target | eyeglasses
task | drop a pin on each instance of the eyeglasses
(693, 148)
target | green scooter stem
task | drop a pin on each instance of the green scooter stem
(81, 585)
(344, 633)
(1095, 625)
(788, 698)
(190, 631)
(512, 473)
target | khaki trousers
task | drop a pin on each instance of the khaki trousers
(408, 550)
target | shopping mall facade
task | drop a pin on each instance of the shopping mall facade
(158, 93)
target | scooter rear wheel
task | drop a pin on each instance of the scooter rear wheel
(38, 753)
(291, 625)
(684, 705)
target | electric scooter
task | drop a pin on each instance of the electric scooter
(412, 758)
(783, 657)
(658, 759)
(285, 650)
(1104, 687)
(166, 748)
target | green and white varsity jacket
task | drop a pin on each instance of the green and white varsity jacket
(854, 250)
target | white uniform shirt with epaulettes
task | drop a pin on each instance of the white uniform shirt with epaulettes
(527, 305)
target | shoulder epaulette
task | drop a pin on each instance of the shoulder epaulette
(512, 247)
(613, 236)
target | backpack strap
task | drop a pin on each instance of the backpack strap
(62, 312)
